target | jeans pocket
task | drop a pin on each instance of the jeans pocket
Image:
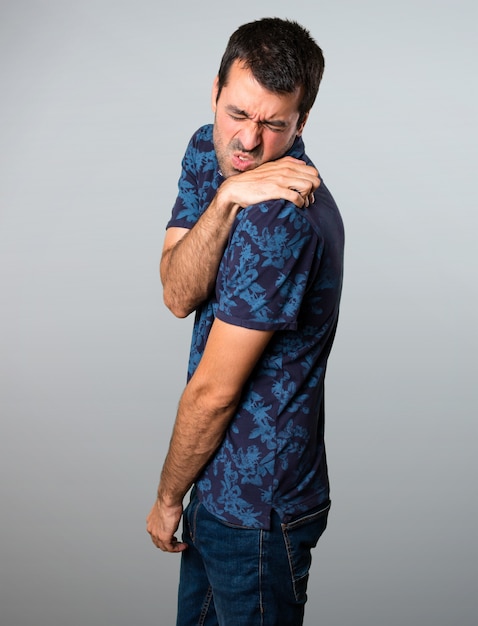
(300, 536)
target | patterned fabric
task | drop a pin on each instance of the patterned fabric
(281, 271)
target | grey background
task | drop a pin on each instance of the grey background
(98, 100)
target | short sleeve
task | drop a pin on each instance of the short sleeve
(185, 211)
(265, 269)
(197, 183)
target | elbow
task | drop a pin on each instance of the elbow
(177, 304)
(170, 296)
(179, 313)
(216, 402)
(178, 309)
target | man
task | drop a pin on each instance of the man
(255, 247)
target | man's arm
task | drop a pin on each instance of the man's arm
(206, 407)
(191, 258)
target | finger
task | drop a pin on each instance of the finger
(299, 200)
(173, 546)
(291, 159)
(177, 546)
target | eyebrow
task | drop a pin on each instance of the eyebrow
(237, 111)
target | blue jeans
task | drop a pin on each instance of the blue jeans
(232, 576)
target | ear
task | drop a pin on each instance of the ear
(300, 128)
(215, 89)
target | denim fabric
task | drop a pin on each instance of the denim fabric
(234, 576)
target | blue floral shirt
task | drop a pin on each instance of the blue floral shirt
(281, 271)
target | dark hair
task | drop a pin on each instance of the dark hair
(282, 56)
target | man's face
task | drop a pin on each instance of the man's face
(252, 125)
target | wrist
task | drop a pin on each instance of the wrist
(168, 499)
(224, 202)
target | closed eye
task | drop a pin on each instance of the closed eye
(276, 126)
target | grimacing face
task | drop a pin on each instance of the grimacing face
(251, 124)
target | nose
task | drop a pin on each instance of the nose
(250, 135)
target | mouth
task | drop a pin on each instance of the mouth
(242, 162)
